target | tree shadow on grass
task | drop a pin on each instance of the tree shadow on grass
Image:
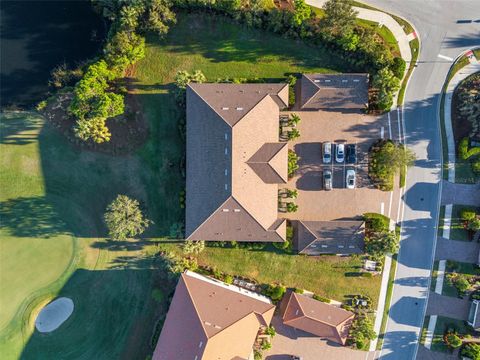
(115, 316)
(18, 130)
(31, 217)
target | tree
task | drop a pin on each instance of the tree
(275, 292)
(292, 207)
(124, 218)
(471, 351)
(398, 67)
(182, 79)
(124, 49)
(339, 18)
(474, 224)
(292, 163)
(293, 134)
(301, 12)
(292, 193)
(193, 247)
(387, 84)
(382, 243)
(362, 331)
(386, 160)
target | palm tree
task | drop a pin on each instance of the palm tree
(293, 134)
(292, 193)
(294, 120)
(292, 207)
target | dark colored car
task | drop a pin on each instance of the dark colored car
(351, 154)
(327, 180)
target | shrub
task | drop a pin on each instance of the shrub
(474, 225)
(398, 67)
(293, 134)
(291, 80)
(452, 340)
(298, 291)
(382, 243)
(471, 351)
(367, 275)
(193, 247)
(270, 331)
(124, 48)
(292, 207)
(266, 345)
(387, 84)
(467, 214)
(292, 163)
(124, 218)
(282, 245)
(275, 292)
(228, 279)
(257, 355)
(41, 105)
(376, 222)
(321, 298)
(461, 283)
(463, 148)
(362, 331)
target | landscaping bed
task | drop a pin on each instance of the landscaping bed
(458, 227)
(445, 325)
(462, 279)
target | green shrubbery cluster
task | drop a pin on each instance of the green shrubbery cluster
(466, 153)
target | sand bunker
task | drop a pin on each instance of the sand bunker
(54, 314)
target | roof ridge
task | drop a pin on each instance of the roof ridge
(246, 211)
(210, 106)
(229, 326)
(309, 230)
(194, 305)
(322, 321)
(272, 167)
(313, 96)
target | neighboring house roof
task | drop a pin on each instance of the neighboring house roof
(211, 320)
(334, 91)
(329, 237)
(317, 318)
(235, 162)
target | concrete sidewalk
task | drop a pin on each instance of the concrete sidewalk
(468, 70)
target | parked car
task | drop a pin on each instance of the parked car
(327, 153)
(327, 180)
(340, 153)
(350, 179)
(351, 154)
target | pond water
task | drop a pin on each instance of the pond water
(35, 37)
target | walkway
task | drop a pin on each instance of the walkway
(462, 251)
(468, 70)
(448, 306)
(461, 194)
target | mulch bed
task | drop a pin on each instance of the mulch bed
(129, 130)
(461, 127)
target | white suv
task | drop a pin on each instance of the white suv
(340, 153)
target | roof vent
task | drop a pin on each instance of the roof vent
(341, 246)
(317, 81)
(225, 210)
(344, 81)
(239, 108)
(324, 246)
(217, 327)
(356, 80)
(296, 312)
(236, 210)
(328, 80)
(225, 108)
(351, 246)
(207, 323)
(200, 344)
(226, 172)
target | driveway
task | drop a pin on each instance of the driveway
(314, 203)
(448, 306)
(463, 251)
(461, 194)
(290, 341)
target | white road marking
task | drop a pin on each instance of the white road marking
(445, 57)
(382, 132)
(382, 208)
(431, 328)
(389, 127)
(447, 221)
(440, 276)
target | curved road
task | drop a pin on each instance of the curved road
(446, 28)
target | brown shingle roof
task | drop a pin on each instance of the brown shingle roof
(334, 91)
(208, 319)
(329, 237)
(234, 161)
(317, 318)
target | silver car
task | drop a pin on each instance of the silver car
(340, 153)
(327, 179)
(350, 179)
(327, 153)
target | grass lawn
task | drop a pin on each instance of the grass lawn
(433, 281)
(457, 230)
(52, 201)
(441, 220)
(329, 276)
(443, 324)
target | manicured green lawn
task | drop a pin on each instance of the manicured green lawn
(443, 324)
(329, 276)
(52, 201)
(384, 33)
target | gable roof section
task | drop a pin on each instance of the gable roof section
(330, 237)
(208, 319)
(334, 91)
(317, 318)
(234, 162)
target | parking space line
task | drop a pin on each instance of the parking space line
(382, 208)
(389, 126)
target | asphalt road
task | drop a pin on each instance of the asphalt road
(446, 27)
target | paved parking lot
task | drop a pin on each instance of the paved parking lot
(314, 203)
(289, 341)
